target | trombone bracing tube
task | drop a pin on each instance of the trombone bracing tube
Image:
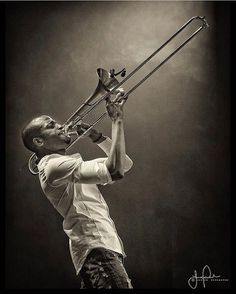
(77, 117)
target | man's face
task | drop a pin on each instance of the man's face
(53, 134)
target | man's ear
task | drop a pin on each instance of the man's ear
(38, 141)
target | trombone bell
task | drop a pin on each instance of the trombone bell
(106, 83)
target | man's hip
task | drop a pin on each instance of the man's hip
(104, 269)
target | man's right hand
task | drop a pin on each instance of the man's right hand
(115, 109)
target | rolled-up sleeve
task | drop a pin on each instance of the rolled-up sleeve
(65, 169)
(93, 172)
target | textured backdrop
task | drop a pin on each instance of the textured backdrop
(172, 210)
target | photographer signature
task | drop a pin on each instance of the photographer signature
(206, 275)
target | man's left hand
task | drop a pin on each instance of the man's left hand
(93, 134)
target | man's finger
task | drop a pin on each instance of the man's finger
(85, 125)
(119, 90)
(119, 97)
(123, 102)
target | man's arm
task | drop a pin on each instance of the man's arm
(104, 142)
(105, 145)
(116, 157)
(63, 169)
(117, 162)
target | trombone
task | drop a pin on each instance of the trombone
(108, 85)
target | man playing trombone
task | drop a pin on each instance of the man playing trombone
(70, 184)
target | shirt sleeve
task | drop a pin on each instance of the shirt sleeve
(69, 169)
(106, 146)
(93, 172)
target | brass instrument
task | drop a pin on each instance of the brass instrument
(108, 85)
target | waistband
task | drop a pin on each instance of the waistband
(100, 251)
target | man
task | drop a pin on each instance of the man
(70, 184)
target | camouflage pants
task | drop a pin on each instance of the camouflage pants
(104, 269)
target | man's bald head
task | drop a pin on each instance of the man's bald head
(32, 130)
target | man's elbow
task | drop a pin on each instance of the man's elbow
(117, 175)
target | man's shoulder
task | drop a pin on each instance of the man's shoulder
(49, 157)
(58, 156)
(56, 166)
(56, 159)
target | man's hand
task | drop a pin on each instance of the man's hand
(80, 129)
(115, 107)
(93, 134)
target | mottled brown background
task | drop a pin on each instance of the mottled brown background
(173, 208)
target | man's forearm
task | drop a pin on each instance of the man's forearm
(116, 157)
(105, 144)
(118, 129)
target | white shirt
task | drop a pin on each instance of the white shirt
(70, 184)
